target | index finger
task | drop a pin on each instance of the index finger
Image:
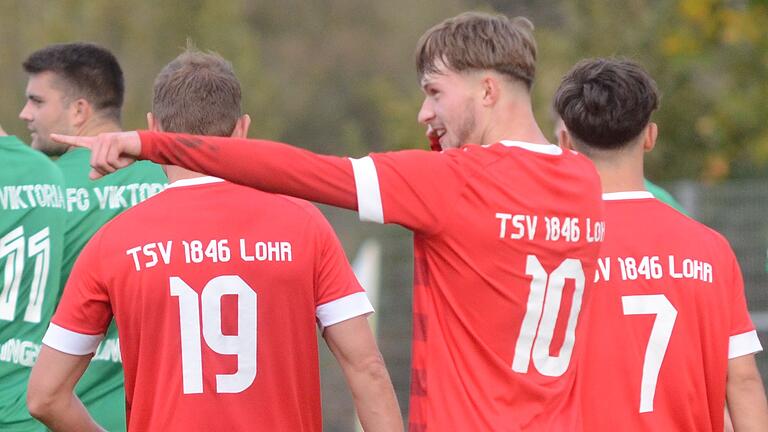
(77, 141)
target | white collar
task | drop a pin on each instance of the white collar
(549, 149)
(194, 181)
(626, 195)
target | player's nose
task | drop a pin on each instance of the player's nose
(426, 113)
(26, 113)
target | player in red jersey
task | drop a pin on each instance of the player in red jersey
(505, 230)
(669, 337)
(215, 289)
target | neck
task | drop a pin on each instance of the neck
(620, 172)
(513, 119)
(95, 126)
(175, 173)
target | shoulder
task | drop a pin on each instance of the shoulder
(698, 234)
(138, 172)
(145, 171)
(14, 148)
(279, 206)
(22, 158)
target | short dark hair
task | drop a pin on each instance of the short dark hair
(86, 71)
(197, 93)
(605, 103)
(478, 41)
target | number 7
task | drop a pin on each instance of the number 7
(666, 314)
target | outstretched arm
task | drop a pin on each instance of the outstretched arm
(354, 347)
(50, 396)
(745, 395)
(265, 165)
(411, 188)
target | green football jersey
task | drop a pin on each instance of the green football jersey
(32, 218)
(91, 204)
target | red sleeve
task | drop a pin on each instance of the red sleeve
(85, 306)
(338, 294)
(743, 337)
(265, 165)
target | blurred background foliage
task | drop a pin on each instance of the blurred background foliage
(337, 76)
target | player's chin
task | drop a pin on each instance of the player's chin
(448, 143)
(35, 142)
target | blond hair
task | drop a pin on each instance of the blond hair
(480, 41)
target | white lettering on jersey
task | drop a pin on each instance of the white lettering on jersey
(112, 197)
(654, 268)
(149, 257)
(77, 197)
(595, 231)
(690, 269)
(19, 352)
(603, 269)
(217, 250)
(32, 195)
(566, 229)
(267, 251)
(522, 225)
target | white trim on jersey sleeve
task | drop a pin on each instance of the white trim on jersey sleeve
(369, 206)
(626, 195)
(71, 342)
(549, 149)
(194, 181)
(343, 308)
(743, 344)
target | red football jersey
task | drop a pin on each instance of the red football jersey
(216, 290)
(504, 238)
(668, 312)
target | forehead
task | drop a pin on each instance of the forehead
(441, 74)
(44, 83)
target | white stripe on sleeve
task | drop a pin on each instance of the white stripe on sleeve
(343, 309)
(743, 344)
(369, 205)
(71, 342)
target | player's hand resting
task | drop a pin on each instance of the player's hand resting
(109, 151)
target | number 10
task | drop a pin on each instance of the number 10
(541, 314)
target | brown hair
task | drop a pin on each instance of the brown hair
(480, 41)
(606, 103)
(86, 71)
(197, 93)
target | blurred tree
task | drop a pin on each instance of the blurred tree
(709, 57)
(337, 76)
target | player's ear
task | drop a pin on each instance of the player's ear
(241, 127)
(152, 123)
(489, 86)
(564, 139)
(651, 133)
(80, 112)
